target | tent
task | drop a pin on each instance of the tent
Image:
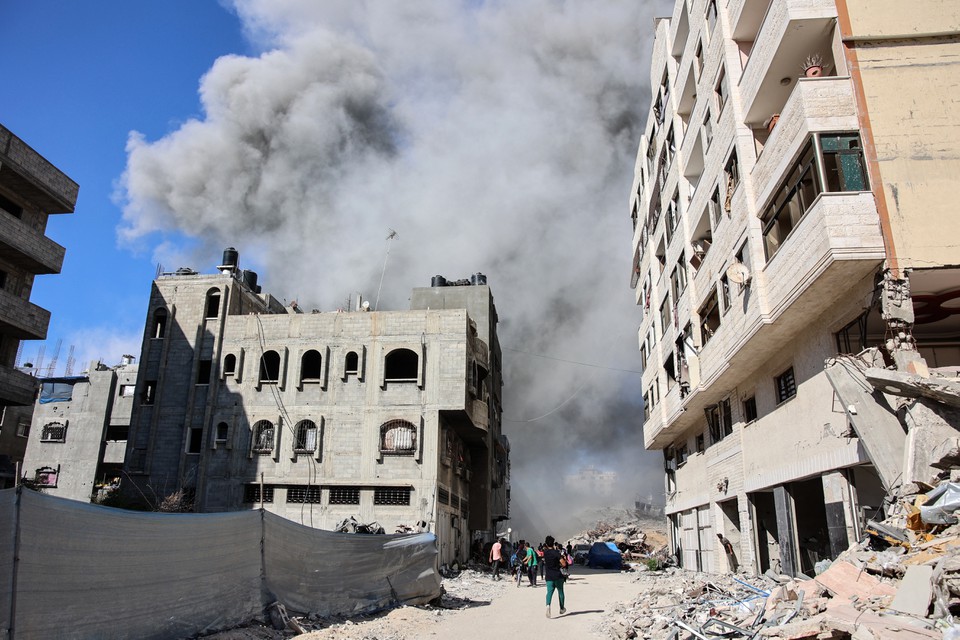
(604, 555)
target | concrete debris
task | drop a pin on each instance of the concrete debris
(632, 541)
(352, 525)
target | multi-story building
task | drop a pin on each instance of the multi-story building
(30, 190)
(792, 198)
(78, 435)
(387, 416)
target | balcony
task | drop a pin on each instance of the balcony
(24, 171)
(22, 319)
(791, 31)
(113, 451)
(836, 243)
(28, 249)
(16, 388)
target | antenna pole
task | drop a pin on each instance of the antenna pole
(393, 234)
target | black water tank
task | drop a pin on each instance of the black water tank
(231, 258)
(250, 279)
(438, 281)
(478, 279)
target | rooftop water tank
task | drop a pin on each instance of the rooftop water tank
(231, 258)
(438, 281)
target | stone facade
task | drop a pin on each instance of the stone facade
(760, 233)
(388, 416)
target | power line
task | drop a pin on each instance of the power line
(584, 364)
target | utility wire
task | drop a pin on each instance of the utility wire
(584, 364)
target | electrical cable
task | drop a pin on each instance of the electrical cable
(584, 364)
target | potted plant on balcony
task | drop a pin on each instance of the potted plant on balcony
(813, 66)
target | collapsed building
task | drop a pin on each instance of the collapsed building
(387, 416)
(792, 207)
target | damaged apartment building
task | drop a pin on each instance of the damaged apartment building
(793, 205)
(386, 416)
(31, 189)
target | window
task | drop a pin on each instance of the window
(251, 493)
(23, 429)
(311, 366)
(678, 278)
(731, 172)
(11, 207)
(700, 443)
(54, 432)
(709, 317)
(270, 367)
(673, 215)
(707, 131)
(670, 147)
(711, 16)
(750, 409)
(159, 323)
(391, 495)
(149, 394)
(843, 162)
(670, 371)
(698, 55)
(643, 354)
(203, 372)
(398, 437)
(666, 317)
(195, 442)
(853, 337)
(213, 304)
(443, 496)
(719, 420)
(786, 385)
(304, 495)
(646, 406)
(306, 437)
(714, 207)
(126, 390)
(344, 495)
(223, 432)
(401, 365)
(3, 279)
(720, 91)
(724, 293)
(352, 364)
(791, 200)
(263, 434)
(230, 365)
(117, 432)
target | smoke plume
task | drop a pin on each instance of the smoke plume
(494, 137)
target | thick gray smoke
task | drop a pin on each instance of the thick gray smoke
(496, 137)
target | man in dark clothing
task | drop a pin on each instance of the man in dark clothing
(554, 559)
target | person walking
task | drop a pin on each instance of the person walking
(496, 557)
(516, 562)
(554, 559)
(540, 559)
(530, 560)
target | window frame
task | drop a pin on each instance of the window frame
(785, 385)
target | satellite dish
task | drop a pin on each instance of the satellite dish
(738, 273)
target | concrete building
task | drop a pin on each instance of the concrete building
(388, 416)
(792, 202)
(30, 190)
(78, 434)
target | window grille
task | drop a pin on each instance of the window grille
(263, 434)
(443, 496)
(344, 495)
(398, 437)
(306, 437)
(391, 496)
(786, 385)
(304, 495)
(251, 493)
(54, 432)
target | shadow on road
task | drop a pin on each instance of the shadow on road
(580, 613)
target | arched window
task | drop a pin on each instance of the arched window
(223, 431)
(230, 365)
(401, 365)
(213, 304)
(306, 437)
(352, 364)
(398, 437)
(263, 437)
(311, 366)
(270, 367)
(159, 323)
(54, 432)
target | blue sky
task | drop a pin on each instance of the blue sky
(79, 76)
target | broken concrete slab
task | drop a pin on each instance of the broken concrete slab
(915, 591)
(898, 383)
(844, 581)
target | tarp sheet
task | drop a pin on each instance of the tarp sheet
(56, 392)
(604, 555)
(87, 571)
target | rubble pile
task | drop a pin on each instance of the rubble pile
(634, 538)
(901, 581)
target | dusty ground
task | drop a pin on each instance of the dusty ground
(476, 608)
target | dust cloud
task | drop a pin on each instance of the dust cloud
(494, 137)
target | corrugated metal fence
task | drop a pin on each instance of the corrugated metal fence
(75, 570)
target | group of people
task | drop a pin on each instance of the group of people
(549, 560)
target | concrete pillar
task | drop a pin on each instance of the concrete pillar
(786, 531)
(838, 504)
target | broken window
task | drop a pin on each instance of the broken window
(670, 147)
(159, 323)
(253, 495)
(401, 365)
(213, 304)
(149, 392)
(391, 496)
(724, 293)
(750, 409)
(311, 366)
(709, 317)
(707, 131)
(720, 91)
(352, 364)
(263, 436)
(673, 215)
(344, 495)
(719, 420)
(54, 432)
(682, 454)
(731, 173)
(670, 372)
(786, 385)
(398, 437)
(678, 278)
(843, 162)
(230, 365)
(714, 207)
(665, 316)
(853, 337)
(306, 437)
(270, 367)
(203, 372)
(792, 199)
(304, 495)
(701, 239)
(195, 442)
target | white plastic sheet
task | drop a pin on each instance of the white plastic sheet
(942, 502)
